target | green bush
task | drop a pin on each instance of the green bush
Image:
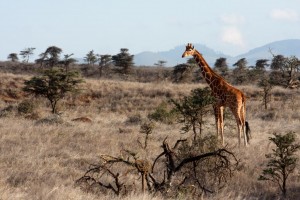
(282, 160)
(163, 114)
(7, 111)
(192, 110)
(26, 107)
(134, 119)
(54, 84)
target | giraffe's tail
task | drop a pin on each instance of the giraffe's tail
(248, 131)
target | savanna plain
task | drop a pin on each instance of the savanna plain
(43, 155)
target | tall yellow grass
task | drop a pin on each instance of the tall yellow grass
(43, 160)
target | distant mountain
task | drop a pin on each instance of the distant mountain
(173, 56)
(284, 47)
(289, 47)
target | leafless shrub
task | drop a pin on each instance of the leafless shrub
(177, 173)
(147, 129)
(194, 169)
(104, 175)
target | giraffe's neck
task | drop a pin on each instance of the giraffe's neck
(209, 75)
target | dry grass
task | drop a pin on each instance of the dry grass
(43, 160)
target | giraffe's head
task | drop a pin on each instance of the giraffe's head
(189, 50)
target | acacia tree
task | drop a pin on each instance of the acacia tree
(54, 84)
(240, 72)
(26, 53)
(192, 110)
(183, 73)
(261, 65)
(285, 70)
(91, 58)
(160, 63)
(258, 72)
(282, 161)
(123, 60)
(50, 57)
(267, 86)
(67, 61)
(104, 61)
(221, 66)
(13, 57)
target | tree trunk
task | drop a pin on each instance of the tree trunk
(143, 182)
(284, 177)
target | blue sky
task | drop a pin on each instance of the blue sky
(78, 26)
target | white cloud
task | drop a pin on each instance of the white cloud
(233, 35)
(284, 14)
(232, 19)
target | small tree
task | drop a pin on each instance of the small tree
(221, 66)
(240, 72)
(53, 85)
(258, 71)
(104, 62)
(282, 160)
(147, 129)
(266, 85)
(67, 61)
(50, 57)
(13, 57)
(90, 58)
(160, 63)
(26, 53)
(123, 60)
(182, 73)
(285, 70)
(261, 65)
(193, 108)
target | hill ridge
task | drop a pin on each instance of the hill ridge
(287, 47)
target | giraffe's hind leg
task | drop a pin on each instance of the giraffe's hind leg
(219, 114)
(242, 117)
(240, 123)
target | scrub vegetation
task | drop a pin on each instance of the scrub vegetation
(128, 132)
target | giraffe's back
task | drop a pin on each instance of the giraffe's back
(230, 96)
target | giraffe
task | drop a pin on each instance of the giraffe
(226, 96)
